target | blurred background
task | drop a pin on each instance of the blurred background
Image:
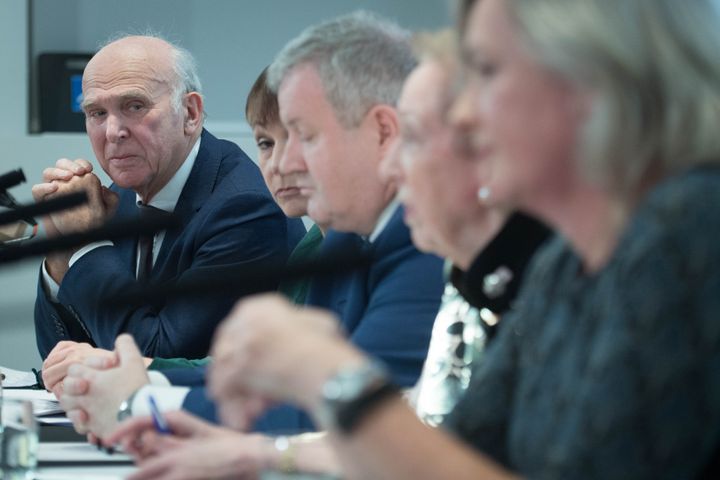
(45, 43)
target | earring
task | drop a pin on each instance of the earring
(483, 194)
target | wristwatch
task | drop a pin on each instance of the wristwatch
(352, 393)
(125, 409)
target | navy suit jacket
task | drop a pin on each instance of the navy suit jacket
(387, 310)
(228, 218)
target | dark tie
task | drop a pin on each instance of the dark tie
(145, 250)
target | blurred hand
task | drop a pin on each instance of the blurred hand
(66, 353)
(93, 391)
(228, 457)
(139, 437)
(269, 349)
(195, 450)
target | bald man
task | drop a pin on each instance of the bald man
(144, 118)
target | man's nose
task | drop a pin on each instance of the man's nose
(291, 160)
(115, 129)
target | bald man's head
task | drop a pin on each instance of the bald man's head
(143, 114)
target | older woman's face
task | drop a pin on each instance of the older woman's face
(436, 187)
(520, 119)
(271, 140)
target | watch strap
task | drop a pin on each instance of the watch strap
(349, 415)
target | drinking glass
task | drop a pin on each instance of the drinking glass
(18, 438)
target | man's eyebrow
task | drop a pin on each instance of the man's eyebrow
(134, 95)
(124, 97)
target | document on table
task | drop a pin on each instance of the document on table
(84, 473)
(77, 452)
(60, 420)
(17, 378)
(44, 403)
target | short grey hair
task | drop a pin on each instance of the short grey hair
(361, 58)
(186, 78)
(652, 70)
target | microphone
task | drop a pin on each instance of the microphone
(228, 280)
(43, 208)
(10, 179)
(147, 224)
(7, 200)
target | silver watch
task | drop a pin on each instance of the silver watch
(350, 392)
(125, 409)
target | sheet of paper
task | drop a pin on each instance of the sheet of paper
(17, 378)
(84, 473)
(30, 394)
(61, 420)
(77, 452)
(44, 403)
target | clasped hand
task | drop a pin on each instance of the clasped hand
(70, 176)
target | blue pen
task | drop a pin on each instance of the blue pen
(159, 421)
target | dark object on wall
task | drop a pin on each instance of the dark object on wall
(60, 90)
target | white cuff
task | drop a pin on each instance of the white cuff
(87, 249)
(167, 399)
(49, 285)
(157, 379)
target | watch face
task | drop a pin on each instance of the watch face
(346, 385)
(351, 394)
(124, 411)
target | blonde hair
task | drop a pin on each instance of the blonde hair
(652, 69)
(442, 47)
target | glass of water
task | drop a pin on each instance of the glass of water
(18, 438)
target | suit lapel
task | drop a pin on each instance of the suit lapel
(198, 188)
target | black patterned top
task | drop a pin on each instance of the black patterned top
(614, 374)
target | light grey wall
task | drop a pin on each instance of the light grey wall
(232, 41)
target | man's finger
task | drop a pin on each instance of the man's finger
(78, 370)
(52, 173)
(127, 350)
(129, 430)
(51, 376)
(58, 390)
(84, 164)
(59, 353)
(42, 190)
(79, 420)
(99, 362)
(154, 468)
(76, 166)
(75, 386)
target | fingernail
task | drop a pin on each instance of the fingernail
(98, 444)
(110, 450)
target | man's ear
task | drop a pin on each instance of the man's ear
(385, 121)
(193, 110)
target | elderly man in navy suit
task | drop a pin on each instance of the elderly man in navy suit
(337, 86)
(144, 117)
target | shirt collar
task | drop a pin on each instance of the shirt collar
(167, 198)
(384, 219)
